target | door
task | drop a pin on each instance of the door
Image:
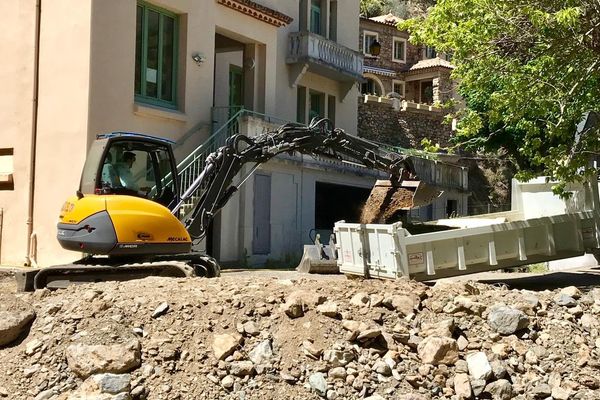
(261, 241)
(236, 89)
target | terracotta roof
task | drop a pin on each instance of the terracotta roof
(388, 19)
(431, 63)
(258, 11)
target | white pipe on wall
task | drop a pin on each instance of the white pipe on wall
(34, 118)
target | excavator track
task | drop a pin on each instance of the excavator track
(91, 270)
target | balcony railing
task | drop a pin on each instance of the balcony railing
(342, 63)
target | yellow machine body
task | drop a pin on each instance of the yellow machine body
(120, 225)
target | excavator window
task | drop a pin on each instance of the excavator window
(130, 166)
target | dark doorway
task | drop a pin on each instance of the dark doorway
(338, 202)
(261, 242)
(427, 92)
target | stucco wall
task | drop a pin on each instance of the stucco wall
(16, 77)
(62, 118)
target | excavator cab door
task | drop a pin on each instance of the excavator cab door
(134, 165)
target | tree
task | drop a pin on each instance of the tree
(529, 71)
(400, 8)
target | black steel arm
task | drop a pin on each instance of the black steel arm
(214, 184)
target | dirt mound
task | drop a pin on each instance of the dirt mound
(292, 336)
(386, 204)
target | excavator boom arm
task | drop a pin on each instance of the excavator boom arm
(214, 184)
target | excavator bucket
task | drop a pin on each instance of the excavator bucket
(388, 200)
(318, 258)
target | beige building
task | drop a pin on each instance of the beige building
(177, 69)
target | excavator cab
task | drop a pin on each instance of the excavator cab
(131, 164)
(125, 200)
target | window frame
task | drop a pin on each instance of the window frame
(365, 47)
(322, 103)
(142, 97)
(377, 84)
(316, 9)
(396, 81)
(395, 40)
(429, 48)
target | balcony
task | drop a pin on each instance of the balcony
(311, 52)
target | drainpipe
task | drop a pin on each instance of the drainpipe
(1, 222)
(34, 118)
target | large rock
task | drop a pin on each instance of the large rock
(506, 320)
(462, 386)
(294, 308)
(565, 300)
(405, 305)
(438, 350)
(262, 353)
(572, 291)
(242, 368)
(479, 366)
(102, 387)
(329, 309)
(118, 358)
(318, 383)
(500, 390)
(225, 344)
(309, 298)
(464, 304)
(338, 358)
(15, 314)
(360, 299)
(440, 328)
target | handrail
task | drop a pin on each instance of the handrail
(211, 137)
(192, 165)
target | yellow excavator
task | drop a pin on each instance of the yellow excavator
(129, 215)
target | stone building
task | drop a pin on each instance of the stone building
(403, 98)
(405, 87)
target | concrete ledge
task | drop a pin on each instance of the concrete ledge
(402, 105)
(145, 110)
(6, 182)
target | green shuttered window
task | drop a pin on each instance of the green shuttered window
(156, 56)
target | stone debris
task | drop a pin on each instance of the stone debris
(438, 350)
(160, 310)
(15, 314)
(225, 344)
(262, 353)
(479, 366)
(252, 337)
(318, 383)
(85, 360)
(506, 320)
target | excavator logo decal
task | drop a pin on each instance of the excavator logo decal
(144, 236)
(176, 239)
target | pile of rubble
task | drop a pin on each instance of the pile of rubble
(265, 337)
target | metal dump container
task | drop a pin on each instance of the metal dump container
(509, 239)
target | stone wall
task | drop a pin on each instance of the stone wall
(381, 123)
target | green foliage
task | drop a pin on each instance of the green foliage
(400, 8)
(528, 71)
(372, 8)
(538, 268)
(430, 147)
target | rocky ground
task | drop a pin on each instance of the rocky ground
(292, 336)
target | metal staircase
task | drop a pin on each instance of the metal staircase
(226, 123)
